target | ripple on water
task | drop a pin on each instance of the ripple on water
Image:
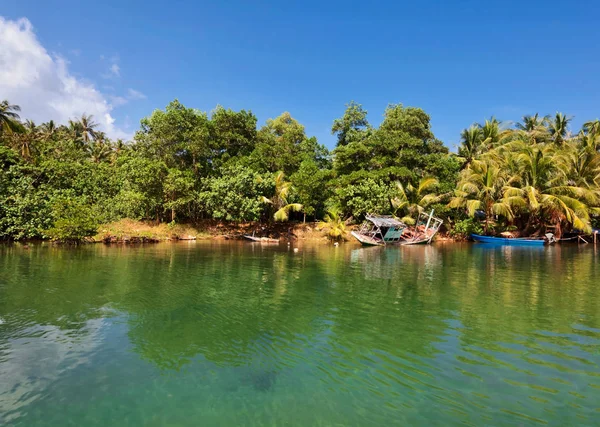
(233, 334)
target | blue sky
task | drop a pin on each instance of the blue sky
(461, 61)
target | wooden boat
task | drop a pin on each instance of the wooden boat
(260, 239)
(380, 230)
(515, 241)
(424, 231)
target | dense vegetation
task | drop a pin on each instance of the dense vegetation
(184, 165)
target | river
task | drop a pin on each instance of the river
(236, 333)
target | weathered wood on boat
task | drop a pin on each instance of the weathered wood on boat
(260, 239)
(379, 230)
(367, 240)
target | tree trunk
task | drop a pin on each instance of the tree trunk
(172, 215)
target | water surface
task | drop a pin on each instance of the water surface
(205, 333)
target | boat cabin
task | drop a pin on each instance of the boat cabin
(379, 230)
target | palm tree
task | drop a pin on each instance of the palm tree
(590, 134)
(481, 188)
(88, 128)
(471, 140)
(280, 199)
(9, 117)
(543, 189)
(118, 147)
(559, 127)
(75, 132)
(49, 129)
(333, 224)
(493, 133)
(25, 140)
(582, 166)
(412, 200)
(534, 128)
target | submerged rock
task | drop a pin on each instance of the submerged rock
(261, 380)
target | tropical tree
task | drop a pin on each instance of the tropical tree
(471, 142)
(541, 186)
(351, 125)
(412, 200)
(88, 128)
(279, 200)
(333, 225)
(493, 133)
(9, 116)
(590, 135)
(534, 128)
(481, 188)
(582, 166)
(48, 130)
(558, 128)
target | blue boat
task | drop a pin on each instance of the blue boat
(508, 241)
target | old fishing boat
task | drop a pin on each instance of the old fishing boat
(515, 241)
(252, 238)
(423, 231)
(380, 230)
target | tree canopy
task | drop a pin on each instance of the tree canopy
(185, 165)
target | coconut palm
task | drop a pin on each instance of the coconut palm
(494, 133)
(481, 188)
(280, 199)
(471, 141)
(411, 200)
(534, 128)
(333, 224)
(88, 128)
(99, 151)
(48, 130)
(9, 117)
(582, 166)
(558, 127)
(590, 134)
(542, 188)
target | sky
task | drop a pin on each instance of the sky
(461, 61)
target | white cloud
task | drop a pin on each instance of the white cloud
(115, 70)
(135, 94)
(41, 83)
(118, 100)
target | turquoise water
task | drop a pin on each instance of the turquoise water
(221, 334)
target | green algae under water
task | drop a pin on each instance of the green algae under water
(205, 333)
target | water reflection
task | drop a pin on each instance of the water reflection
(250, 334)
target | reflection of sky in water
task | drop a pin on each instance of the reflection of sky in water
(37, 357)
(238, 334)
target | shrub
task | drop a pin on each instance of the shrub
(74, 220)
(464, 228)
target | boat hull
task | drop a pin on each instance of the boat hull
(260, 239)
(366, 240)
(507, 242)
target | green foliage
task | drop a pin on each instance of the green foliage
(235, 194)
(282, 191)
(73, 220)
(333, 225)
(463, 229)
(352, 125)
(367, 196)
(186, 165)
(310, 184)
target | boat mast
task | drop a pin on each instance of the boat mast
(429, 220)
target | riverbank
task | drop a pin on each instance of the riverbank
(130, 231)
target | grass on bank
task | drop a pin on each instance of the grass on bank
(127, 230)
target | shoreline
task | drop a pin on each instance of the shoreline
(127, 231)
